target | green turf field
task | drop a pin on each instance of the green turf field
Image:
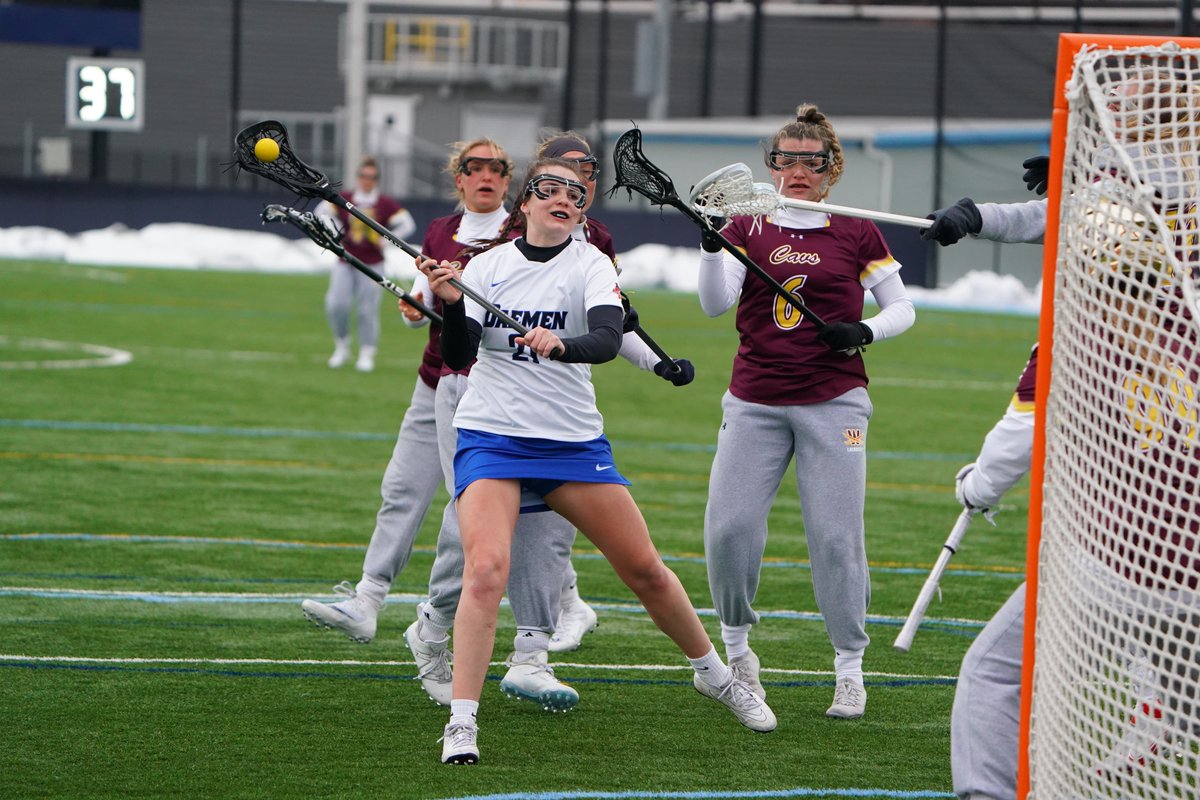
(161, 520)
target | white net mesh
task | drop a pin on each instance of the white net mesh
(732, 192)
(1117, 663)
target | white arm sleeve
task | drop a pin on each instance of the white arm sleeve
(403, 225)
(1013, 222)
(637, 352)
(420, 286)
(720, 284)
(1003, 460)
(896, 312)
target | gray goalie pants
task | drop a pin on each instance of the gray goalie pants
(351, 291)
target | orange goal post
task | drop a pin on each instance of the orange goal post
(1111, 657)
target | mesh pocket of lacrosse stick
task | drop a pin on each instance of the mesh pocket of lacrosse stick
(731, 192)
(287, 170)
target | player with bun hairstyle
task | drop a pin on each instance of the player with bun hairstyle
(797, 392)
(529, 421)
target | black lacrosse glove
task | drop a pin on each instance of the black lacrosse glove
(845, 335)
(953, 222)
(630, 323)
(1037, 173)
(709, 240)
(680, 377)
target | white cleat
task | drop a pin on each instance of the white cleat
(459, 743)
(341, 354)
(574, 622)
(366, 360)
(530, 678)
(433, 667)
(745, 669)
(355, 616)
(849, 700)
(750, 709)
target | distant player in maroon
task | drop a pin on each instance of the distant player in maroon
(798, 392)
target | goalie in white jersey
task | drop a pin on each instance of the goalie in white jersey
(529, 421)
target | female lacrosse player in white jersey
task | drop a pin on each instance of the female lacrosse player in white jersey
(798, 392)
(529, 421)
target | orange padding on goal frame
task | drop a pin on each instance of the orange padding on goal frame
(1069, 44)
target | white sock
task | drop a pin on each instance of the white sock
(848, 664)
(531, 640)
(736, 639)
(570, 595)
(463, 711)
(430, 630)
(373, 588)
(711, 668)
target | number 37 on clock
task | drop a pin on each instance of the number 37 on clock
(105, 93)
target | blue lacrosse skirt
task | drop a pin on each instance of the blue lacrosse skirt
(541, 465)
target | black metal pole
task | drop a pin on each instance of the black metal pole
(602, 87)
(756, 57)
(710, 58)
(235, 72)
(1187, 23)
(98, 141)
(939, 138)
(572, 47)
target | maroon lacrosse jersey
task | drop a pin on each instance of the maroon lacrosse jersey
(1025, 395)
(779, 359)
(597, 235)
(360, 241)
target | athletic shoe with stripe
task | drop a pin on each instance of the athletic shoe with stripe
(354, 616)
(459, 744)
(530, 678)
(750, 709)
(433, 665)
(574, 622)
(849, 700)
(745, 669)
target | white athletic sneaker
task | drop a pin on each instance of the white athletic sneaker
(458, 743)
(574, 622)
(750, 709)
(366, 359)
(355, 616)
(530, 678)
(745, 669)
(433, 668)
(849, 700)
(341, 354)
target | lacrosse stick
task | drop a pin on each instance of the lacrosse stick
(732, 192)
(635, 172)
(909, 630)
(317, 230)
(291, 173)
(636, 327)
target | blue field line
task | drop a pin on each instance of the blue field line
(672, 559)
(633, 794)
(166, 598)
(296, 433)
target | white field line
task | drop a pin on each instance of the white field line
(401, 598)
(105, 356)
(309, 662)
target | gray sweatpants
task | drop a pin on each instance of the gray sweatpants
(409, 484)
(754, 447)
(350, 290)
(541, 549)
(986, 717)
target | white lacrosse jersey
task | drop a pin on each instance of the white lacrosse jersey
(512, 390)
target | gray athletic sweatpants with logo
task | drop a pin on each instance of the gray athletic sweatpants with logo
(541, 548)
(754, 447)
(409, 484)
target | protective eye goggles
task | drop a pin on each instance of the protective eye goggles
(817, 162)
(474, 165)
(554, 186)
(588, 167)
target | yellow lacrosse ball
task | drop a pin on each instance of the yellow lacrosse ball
(266, 149)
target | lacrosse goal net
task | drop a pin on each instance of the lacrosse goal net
(1112, 659)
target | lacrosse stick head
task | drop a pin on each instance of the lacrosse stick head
(320, 230)
(732, 192)
(287, 170)
(635, 172)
